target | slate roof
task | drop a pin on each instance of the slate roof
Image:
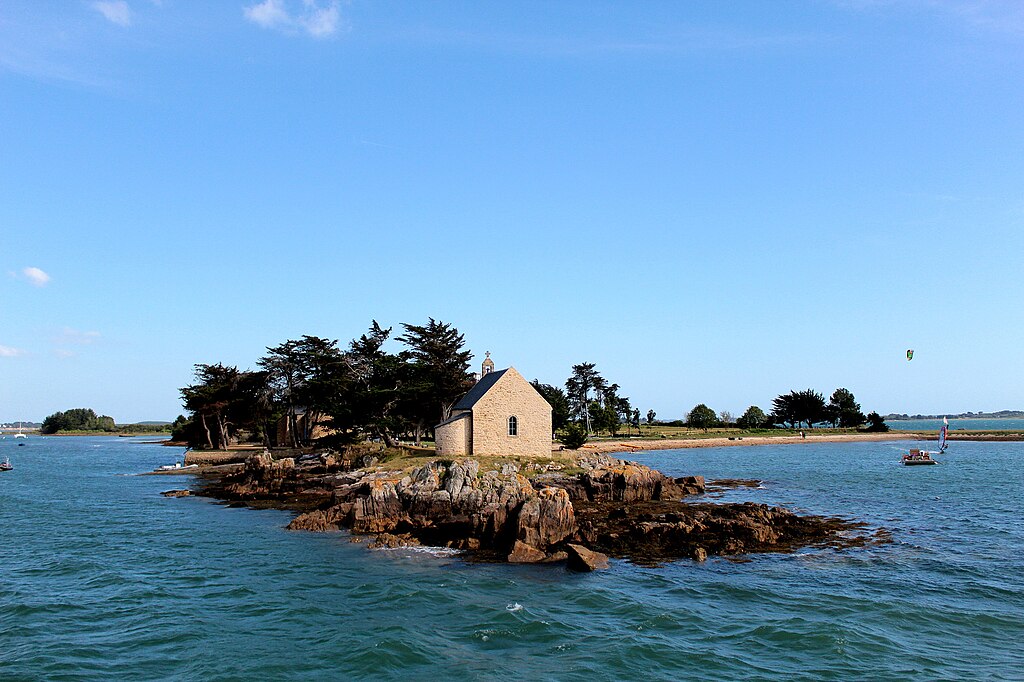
(454, 418)
(470, 399)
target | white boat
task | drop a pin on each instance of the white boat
(6, 464)
(177, 466)
(19, 434)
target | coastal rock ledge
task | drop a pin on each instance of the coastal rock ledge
(611, 508)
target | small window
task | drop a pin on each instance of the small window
(513, 426)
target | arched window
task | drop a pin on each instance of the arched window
(513, 426)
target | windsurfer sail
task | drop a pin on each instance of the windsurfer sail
(942, 434)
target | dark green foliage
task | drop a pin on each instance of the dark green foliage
(578, 388)
(753, 418)
(798, 407)
(302, 377)
(651, 414)
(574, 436)
(182, 429)
(701, 417)
(213, 399)
(844, 410)
(441, 363)
(357, 392)
(77, 419)
(876, 423)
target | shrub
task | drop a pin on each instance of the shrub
(573, 436)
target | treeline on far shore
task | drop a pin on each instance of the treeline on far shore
(84, 420)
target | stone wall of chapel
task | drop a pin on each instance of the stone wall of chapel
(512, 395)
(454, 439)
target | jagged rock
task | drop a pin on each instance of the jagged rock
(322, 520)
(625, 482)
(263, 475)
(176, 493)
(556, 557)
(461, 475)
(389, 541)
(523, 553)
(683, 487)
(620, 508)
(597, 461)
(546, 519)
(582, 559)
(380, 511)
(315, 521)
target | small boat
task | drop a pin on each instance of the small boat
(916, 457)
(177, 466)
(19, 434)
(6, 464)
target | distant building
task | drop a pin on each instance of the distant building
(501, 415)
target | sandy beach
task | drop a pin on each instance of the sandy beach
(673, 444)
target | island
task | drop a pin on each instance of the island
(574, 508)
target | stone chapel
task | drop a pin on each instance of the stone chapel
(501, 415)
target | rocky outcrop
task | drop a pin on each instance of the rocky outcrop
(617, 508)
(582, 559)
(654, 532)
(262, 475)
(176, 493)
(546, 519)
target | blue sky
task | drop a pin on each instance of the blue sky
(714, 202)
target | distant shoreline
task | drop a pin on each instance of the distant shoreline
(609, 447)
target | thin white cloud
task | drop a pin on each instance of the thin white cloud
(64, 353)
(313, 18)
(9, 352)
(36, 276)
(76, 337)
(115, 11)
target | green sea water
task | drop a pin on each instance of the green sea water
(102, 578)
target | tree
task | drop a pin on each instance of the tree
(77, 419)
(574, 436)
(305, 376)
(373, 398)
(636, 420)
(797, 407)
(844, 409)
(701, 417)
(609, 410)
(578, 387)
(651, 414)
(753, 418)
(876, 423)
(558, 401)
(726, 417)
(438, 351)
(211, 399)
